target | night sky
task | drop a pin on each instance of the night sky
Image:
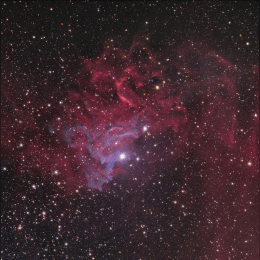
(130, 130)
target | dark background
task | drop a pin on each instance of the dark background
(225, 25)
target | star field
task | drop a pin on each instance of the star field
(130, 130)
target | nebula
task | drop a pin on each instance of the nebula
(129, 130)
(129, 107)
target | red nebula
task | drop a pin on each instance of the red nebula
(148, 106)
